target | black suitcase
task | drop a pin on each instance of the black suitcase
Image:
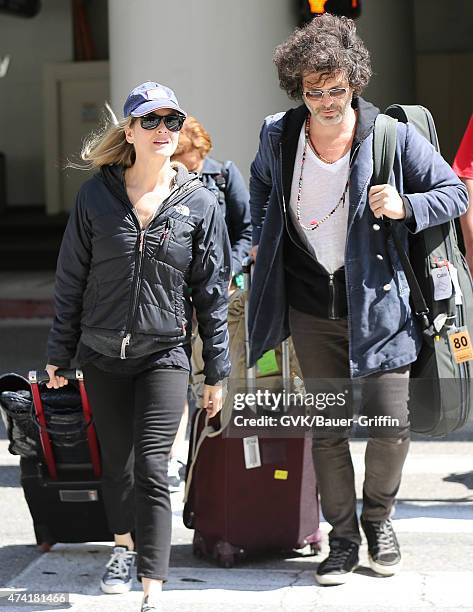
(64, 497)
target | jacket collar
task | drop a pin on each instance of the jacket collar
(211, 166)
(292, 124)
(114, 178)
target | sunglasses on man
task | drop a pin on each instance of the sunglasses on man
(173, 122)
(318, 94)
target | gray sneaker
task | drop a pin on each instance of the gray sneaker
(149, 606)
(118, 578)
(176, 469)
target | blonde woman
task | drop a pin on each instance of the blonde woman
(145, 244)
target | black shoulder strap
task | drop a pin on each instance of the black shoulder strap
(221, 179)
(384, 149)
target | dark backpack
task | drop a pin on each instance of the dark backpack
(221, 180)
(440, 395)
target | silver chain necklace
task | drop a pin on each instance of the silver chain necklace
(315, 223)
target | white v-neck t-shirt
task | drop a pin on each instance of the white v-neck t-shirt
(322, 187)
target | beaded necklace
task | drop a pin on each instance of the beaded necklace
(314, 224)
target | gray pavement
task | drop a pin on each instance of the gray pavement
(433, 519)
(434, 522)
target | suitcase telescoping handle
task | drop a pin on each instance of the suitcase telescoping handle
(247, 264)
(285, 354)
(34, 378)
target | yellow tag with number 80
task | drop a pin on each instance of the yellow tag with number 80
(461, 345)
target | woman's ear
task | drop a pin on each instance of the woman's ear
(129, 135)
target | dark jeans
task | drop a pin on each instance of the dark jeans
(322, 349)
(136, 418)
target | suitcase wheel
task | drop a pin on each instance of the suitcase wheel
(226, 561)
(188, 517)
(312, 545)
(226, 554)
(199, 548)
(44, 539)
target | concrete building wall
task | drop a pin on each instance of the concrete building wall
(217, 58)
(387, 28)
(443, 27)
(30, 43)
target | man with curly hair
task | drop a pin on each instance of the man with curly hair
(328, 274)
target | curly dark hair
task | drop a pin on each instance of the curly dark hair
(327, 44)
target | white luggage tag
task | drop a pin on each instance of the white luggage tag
(440, 321)
(456, 285)
(442, 283)
(251, 451)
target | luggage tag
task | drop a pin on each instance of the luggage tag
(460, 343)
(440, 321)
(251, 452)
(442, 283)
(456, 285)
(268, 364)
(281, 474)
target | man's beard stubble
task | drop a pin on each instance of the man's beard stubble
(336, 119)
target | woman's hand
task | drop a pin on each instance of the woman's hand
(212, 399)
(54, 381)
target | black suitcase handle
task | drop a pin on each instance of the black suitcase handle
(43, 376)
(37, 377)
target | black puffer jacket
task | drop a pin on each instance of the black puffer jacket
(127, 292)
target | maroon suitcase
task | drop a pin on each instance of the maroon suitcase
(236, 511)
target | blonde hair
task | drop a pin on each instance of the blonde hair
(107, 146)
(193, 136)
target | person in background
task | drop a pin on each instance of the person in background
(226, 182)
(145, 247)
(463, 168)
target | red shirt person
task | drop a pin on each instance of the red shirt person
(463, 167)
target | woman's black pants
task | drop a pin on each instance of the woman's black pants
(136, 418)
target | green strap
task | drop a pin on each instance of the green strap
(419, 116)
(384, 148)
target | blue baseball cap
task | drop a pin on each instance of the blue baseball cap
(148, 97)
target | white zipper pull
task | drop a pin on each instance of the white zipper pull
(125, 343)
(142, 239)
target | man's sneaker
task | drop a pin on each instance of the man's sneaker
(175, 469)
(118, 578)
(383, 548)
(341, 561)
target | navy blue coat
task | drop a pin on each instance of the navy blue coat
(383, 333)
(233, 197)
